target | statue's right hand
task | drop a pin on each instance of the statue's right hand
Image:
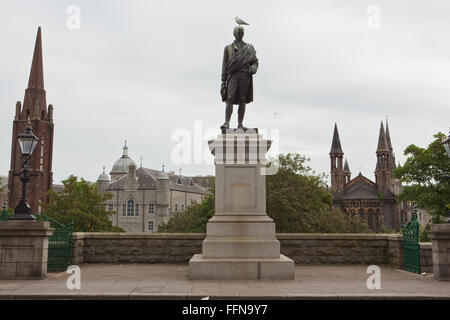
(224, 84)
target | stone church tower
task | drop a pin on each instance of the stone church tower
(34, 109)
(336, 156)
(374, 202)
(385, 161)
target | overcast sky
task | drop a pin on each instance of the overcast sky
(139, 70)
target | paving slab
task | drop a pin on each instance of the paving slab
(171, 281)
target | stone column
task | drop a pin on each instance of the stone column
(440, 237)
(240, 241)
(24, 249)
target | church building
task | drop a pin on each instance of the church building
(375, 202)
(144, 198)
(34, 111)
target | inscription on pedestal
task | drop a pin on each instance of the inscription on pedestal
(240, 193)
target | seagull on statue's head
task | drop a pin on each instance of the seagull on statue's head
(239, 21)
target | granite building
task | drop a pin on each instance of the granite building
(144, 198)
(375, 202)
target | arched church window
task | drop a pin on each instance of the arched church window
(182, 207)
(130, 208)
(361, 213)
(372, 223)
(176, 208)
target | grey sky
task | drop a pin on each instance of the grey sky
(138, 70)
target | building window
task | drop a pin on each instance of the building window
(176, 208)
(42, 155)
(124, 210)
(151, 208)
(150, 226)
(110, 207)
(130, 208)
(137, 209)
(182, 207)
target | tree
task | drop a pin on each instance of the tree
(427, 175)
(81, 202)
(297, 200)
(193, 219)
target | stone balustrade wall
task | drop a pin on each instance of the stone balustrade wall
(303, 248)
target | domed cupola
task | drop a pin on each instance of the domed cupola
(103, 176)
(102, 182)
(120, 167)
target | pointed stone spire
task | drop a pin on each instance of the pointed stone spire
(34, 101)
(388, 136)
(336, 143)
(346, 167)
(36, 79)
(382, 142)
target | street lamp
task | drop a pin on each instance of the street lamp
(27, 143)
(446, 144)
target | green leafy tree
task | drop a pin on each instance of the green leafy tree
(426, 173)
(193, 219)
(297, 200)
(80, 201)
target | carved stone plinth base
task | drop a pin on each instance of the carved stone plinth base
(24, 249)
(240, 268)
(440, 238)
(240, 238)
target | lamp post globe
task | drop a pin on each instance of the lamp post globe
(446, 144)
(27, 143)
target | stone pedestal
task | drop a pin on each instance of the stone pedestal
(440, 237)
(24, 249)
(240, 241)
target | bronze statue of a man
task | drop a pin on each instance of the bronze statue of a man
(238, 67)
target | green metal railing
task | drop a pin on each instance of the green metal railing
(59, 244)
(4, 216)
(411, 248)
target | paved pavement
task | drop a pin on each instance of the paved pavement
(170, 281)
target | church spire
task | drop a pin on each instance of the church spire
(36, 79)
(34, 101)
(388, 136)
(336, 143)
(346, 167)
(382, 142)
(336, 155)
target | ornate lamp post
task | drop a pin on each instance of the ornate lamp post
(27, 143)
(446, 144)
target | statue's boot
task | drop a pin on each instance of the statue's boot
(226, 125)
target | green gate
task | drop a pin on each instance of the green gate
(4, 216)
(411, 248)
(59, 244)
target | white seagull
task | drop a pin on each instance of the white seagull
(239, 21)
